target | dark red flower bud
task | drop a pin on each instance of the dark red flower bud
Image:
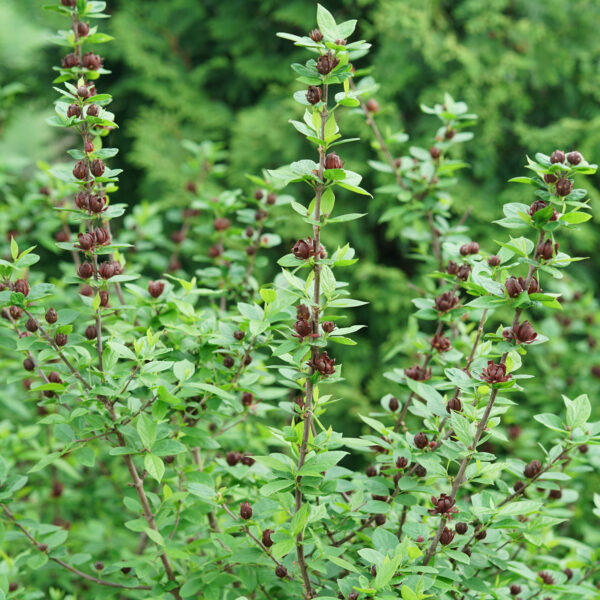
(447, 301)
(515, 589)
(271, 198)
(13, 586)
(266, 538)
(316, 35)
(228, 362)
(452, 268)
(314, 94)
(54, 377)
(393, 404)
(546, 250)
(558, 156)
(85, 241)
(420, 440)
(444, 505)
(85, 270)
(98, 565)
(281, 571)
(463, 272)
(536, 206)
(221, 223)
(495, 373)
(441, 343)
(51, 316)
(233, 458)
(92, 61)
(245, 510)
(513, 287)
(524, 333)
(155, 288)
(215, 251)
(83, 91)
(102, 236)
(418, 373)
(328, 326)
(92, 110)
(372, 105)
(494, 261)
(420, 471)
(69, 3)
(261, 214)
(31, 325)
(546, 577)
(80, 170)
(584, 449)
(323, 364)
(333, 161)
(454, 404)
(247, 399)
(302, 312)
(461, 528)
(532, 469)
(447, 536)
(380, 519)
(302, 328)
(28, 364)
(574, 157)
(481, 535)
(61, 236)
(21, 286)
(96, 203)
(303, 249)
(107, 269)
(469, 248)
(435, 152)
(450, 133)
(555, 494)
(514, 431)
(564, 186)
(91, 332)
(247, 460)
(239, 335)
(74, 110)
(327, 62)
(69, 61)
(97, 167)
(518, 486)
(82, 29)
(16, 312)
(247, 359)
(104, 298)
(371, 471)
(568, 572)
(60, 339)
(81, 200)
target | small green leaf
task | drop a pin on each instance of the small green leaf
(155, 466)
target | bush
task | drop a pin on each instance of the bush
(174, 436)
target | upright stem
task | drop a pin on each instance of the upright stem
(308, 402)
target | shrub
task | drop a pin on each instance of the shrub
(182, 445)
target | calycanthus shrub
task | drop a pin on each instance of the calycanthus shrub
(169, 434)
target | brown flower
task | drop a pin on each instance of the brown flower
(156, 288)
(313, 94)
(446, 302)
(532, 469)
(418, 373)
(444, 505)
(495, 373)
(327, 62)
(303, 249)
(447, 536)
(245, 510)
(323, 364)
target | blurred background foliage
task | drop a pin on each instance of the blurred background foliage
(214, 70)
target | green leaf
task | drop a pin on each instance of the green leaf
(578, 411)
(282, 548)
(299, 519)
(327, 24)
(155, 466)
(322, 462)
(146, 429)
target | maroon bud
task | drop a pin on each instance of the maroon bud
(444, 505)
(91, 332)
(546, 577)
(228, 362)
(61, 236)
(247, 460)
(303, 249)
(80, 170)
(83, 91)
(233, 458)
(281, 571)
(85, 270)
(463, 272)
(373, 570)
(435, 152)
(372, 105)
(266, 538)
(22, 287)
(323, 364)
(93, 110)
(92, 61)
(564, 186)
(247, 399)
(69, 3)
(83, 29)
(31, 325)
(60, 339)
(558, 156)
(574, 157)
(239, 335)
(98, 565)
(13, 586)
(452, 268)
(371, 471)
(313, 94)
(104, 298)
(69, 61)
(469, 248)
(261, 214)
(532, 469)
(494, 261)
(401, 462)
(481, 535)
(524, 333)
(393, 404)
(97, 167)
(74, 110)
(247, 359)
(514, 431)
(450, 133)
(519, 486)
(155, 288)
(316, 35)
(584, 448)
(441, 343)
(447, 536)
(245, 510)
(454, 404)
(420, 539)
(302, 312)
(328, 326)
(515, 589)
(513, 287)
(421, 440)
(272, 198)
(258, 195)
(85, 241)
(326, 63)
(221, 224)
(215, 251)
(16, 312)
(28, 364)
(461, 528)
(418, 373)
(446, 302)
(546, 250)
(81, 200)
(380, 519)
(106, 270)
(51, 316)
(495, 373)
(302, 328)
(568, 572)
(550, 178)
(102, 236)
(332, 161)
(555, 494)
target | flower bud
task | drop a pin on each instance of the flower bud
(31, 325)
(515, 589)
(418, 373)
(574, 157)
(420, 440)
(15, 312)
(266, 538)
(393, 404)
(546, 250)
(546, 577)
(481, 535)
(281, 571)
(323, 364)
(91, 333)
(332, 161)
(495, 373)
(51, 316)
(450, 133)
(380, 519)
(92, 110)
(98, 565)
(85, 270)
(92, 61)
(524, 333)
(302, 312)
(80, 170)
(155, 288)
(303, 249)
(233, 458)
(271, 198)
(82, 29)
(245, 510)
(494, 261)
(83, 91)
(550, 178)
(469, 248)
(54, 377)
(221, 223)
(28, 364)
(60, 339)
(532, 469)
(13, 586)
(435, 152)
(555, 494)
(69, 3)
(454, 404)
(106, 270)
(85, 241)
(420, 471)
(328, 326)
(69, 61)
(302, 328)
(247, 399)
(447, 536)
(568, 572)
(513, 287)
(564, 186)
(96, 203)
(21, 286)
(446, 302)
(452, 268)
(463, 272)
(239, 335)
(316, 35)
(313, 94)
(74, 110)
(558, 156)
(372, 106)
(371, 471)
(326, 63)
(228, 362)
(101, 236)
(461, 528)
(97, 167)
